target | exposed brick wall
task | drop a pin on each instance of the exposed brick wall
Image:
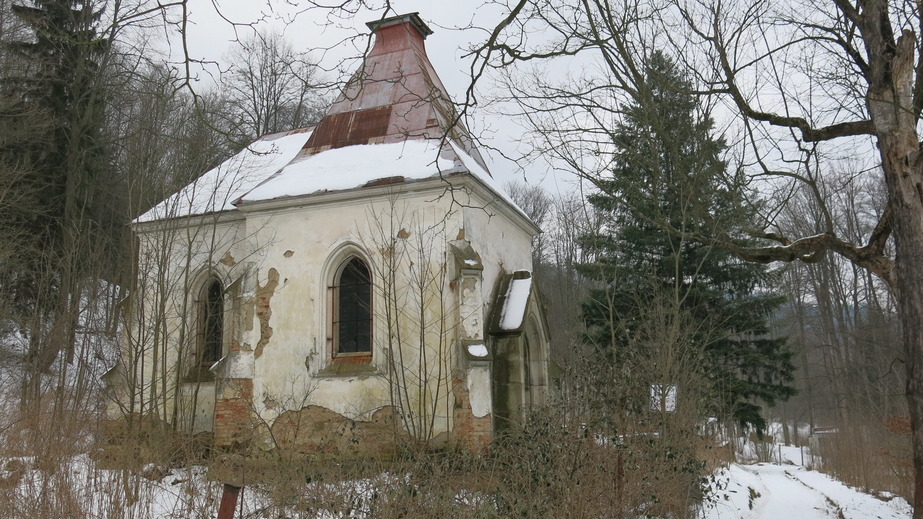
(264, 310)
(233, 408)
(470, 432)
(318, 430)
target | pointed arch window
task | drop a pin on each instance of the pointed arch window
(352, 309)
(211, 323)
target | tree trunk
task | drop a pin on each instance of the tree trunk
(890, 101)
(909, 245)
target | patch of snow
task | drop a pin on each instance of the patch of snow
(771, 491)
(477, 350)
(471, 262)
(218, 188)
(354, 166)
(514, 309)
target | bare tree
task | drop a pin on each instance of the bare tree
(417, 314)
(555, 256)
(843, 322)
(271, 87)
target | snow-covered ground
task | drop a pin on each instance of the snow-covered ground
(791, 491)
(740, 491)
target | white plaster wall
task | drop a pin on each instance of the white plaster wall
(503, 245)
(479, 392)
(200, 402)
(173, 260)
(289, 373)
(296, 243)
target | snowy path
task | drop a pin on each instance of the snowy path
(769, 491)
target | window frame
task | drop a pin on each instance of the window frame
(209, 344)
(334, 322)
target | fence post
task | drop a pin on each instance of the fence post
(228, 501)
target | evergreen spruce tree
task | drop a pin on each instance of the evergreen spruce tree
(53, 158)
(669, 175)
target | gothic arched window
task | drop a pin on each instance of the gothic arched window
(352, 309)
(211, 323)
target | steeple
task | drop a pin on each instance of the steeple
(394, 96)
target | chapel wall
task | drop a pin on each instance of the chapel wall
(173, 260)
(294, 368)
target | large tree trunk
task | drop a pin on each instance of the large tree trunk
(909, 243)
(890, 101)
(906, 189)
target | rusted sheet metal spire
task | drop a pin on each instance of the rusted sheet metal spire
(394, 96)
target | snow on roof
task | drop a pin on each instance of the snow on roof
(217, 189)
(395, 101)
(357, 165)
(477, 350)
(484, 176)
(354, 166)
(272, 167)
(517, 298)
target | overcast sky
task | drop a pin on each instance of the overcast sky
(455, 25)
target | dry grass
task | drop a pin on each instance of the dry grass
(552, 466)
(884, 465)
(53, 468)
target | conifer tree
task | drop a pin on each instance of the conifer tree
(52, 156)
(669, 171)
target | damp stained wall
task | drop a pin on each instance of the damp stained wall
(276, 262)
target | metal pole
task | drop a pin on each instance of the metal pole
(228, 501)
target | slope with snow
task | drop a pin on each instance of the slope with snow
(791, 491)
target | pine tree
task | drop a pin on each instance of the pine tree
(669, 175)
(52, 156)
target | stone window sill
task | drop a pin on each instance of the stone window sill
(198, 375)
(350, 366)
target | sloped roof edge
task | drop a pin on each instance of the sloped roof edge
(219, 188)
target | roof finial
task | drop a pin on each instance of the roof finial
(409, 18)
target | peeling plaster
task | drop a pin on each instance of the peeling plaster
(228, 260)
(263, 311)
(239, 365)
(479, 391)
(309, 359)
(319, 430)
(238, 346)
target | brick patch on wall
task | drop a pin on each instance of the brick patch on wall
(233, 408)
(318, 430)
(471, 433)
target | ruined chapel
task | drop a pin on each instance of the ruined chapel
(332, 289)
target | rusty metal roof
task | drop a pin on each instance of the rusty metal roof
(394, 96)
